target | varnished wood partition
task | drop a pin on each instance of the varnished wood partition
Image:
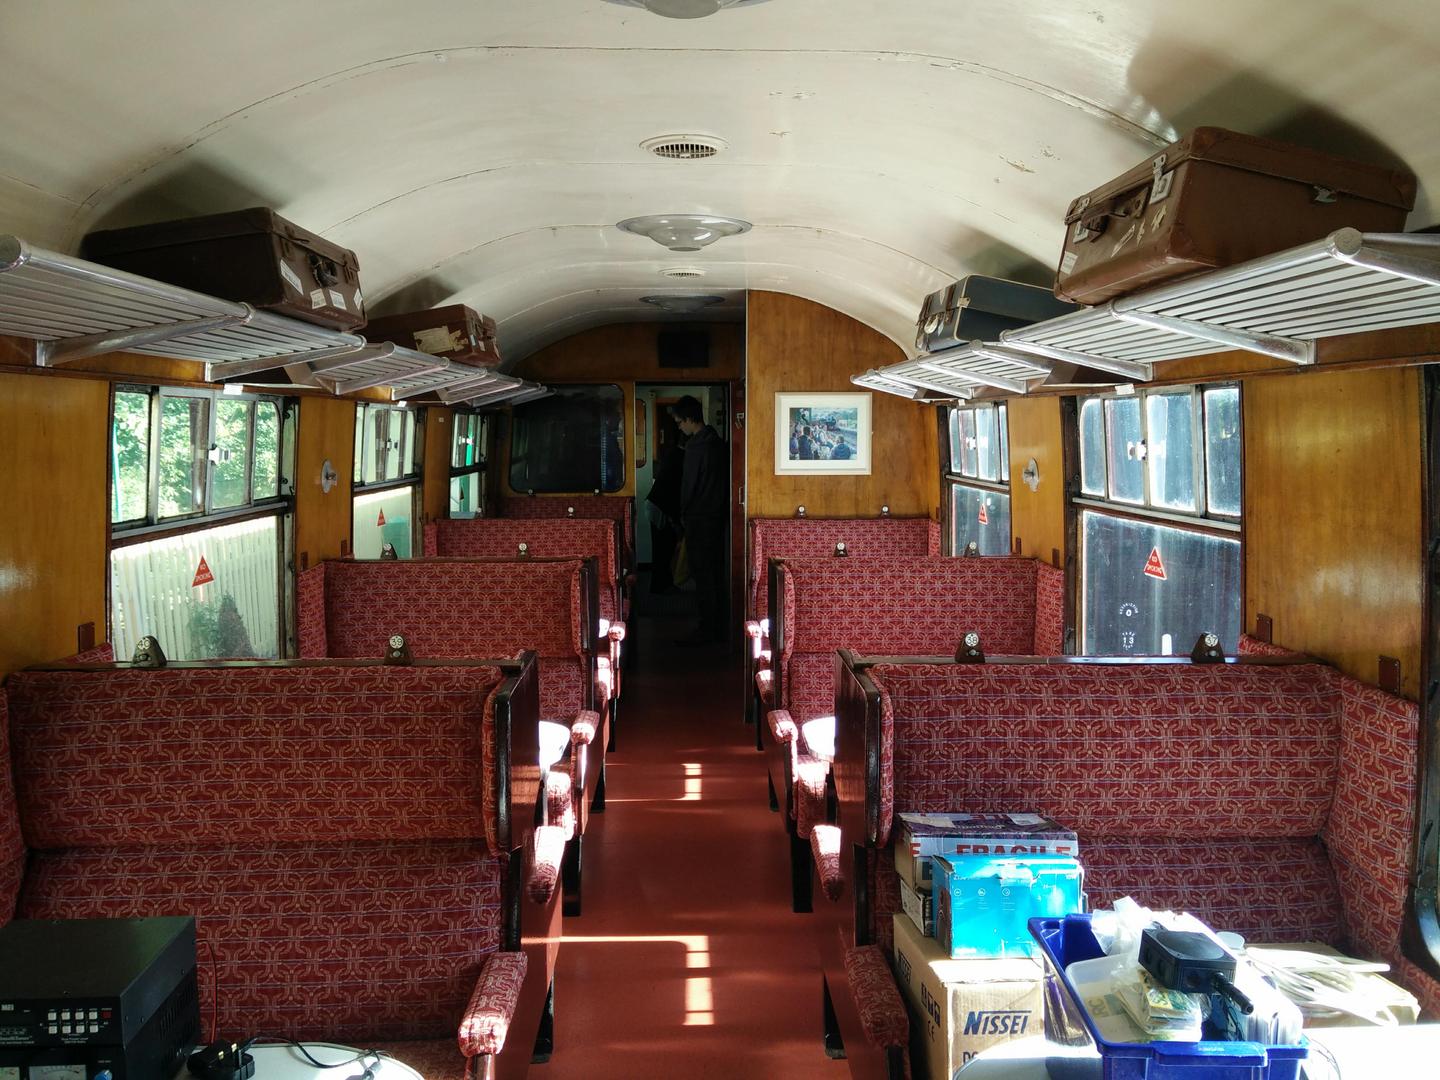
(1037, 518)
(439, 447)
(323, 519)
(794, 345)
(1333, 512)
(53, 437)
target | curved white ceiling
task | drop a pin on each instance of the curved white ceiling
(482, 150)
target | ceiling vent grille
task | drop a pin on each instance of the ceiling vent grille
(682, 272)
(683, 147)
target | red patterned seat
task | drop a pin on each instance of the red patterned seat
(338, 832)
(12, 847)
(576, 538)
(884, 606)
(616, 508)
(471, 608)
(1274, 800)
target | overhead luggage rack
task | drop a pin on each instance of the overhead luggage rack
(1278, 306)
(76, 309)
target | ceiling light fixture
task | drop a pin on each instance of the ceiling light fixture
(686, 9)
(683, 232)
(683, 305)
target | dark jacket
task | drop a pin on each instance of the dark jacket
(669, 471)
(705, 486)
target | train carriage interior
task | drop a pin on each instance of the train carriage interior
(615, 539)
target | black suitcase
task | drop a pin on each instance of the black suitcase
(978, 308)
(255, 256)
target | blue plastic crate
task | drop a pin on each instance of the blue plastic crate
(1064, 941)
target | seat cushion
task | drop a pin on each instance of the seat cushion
(344, 942)
(12, 847)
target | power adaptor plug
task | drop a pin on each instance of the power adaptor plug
(221, 1061)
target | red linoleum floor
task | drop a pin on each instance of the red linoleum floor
(687, 961)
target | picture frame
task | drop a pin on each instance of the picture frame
(821, 434)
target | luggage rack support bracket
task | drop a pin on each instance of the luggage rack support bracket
(999, 382)
(1283, 348)
(1132, 370)
(317, 360)
(67, 350)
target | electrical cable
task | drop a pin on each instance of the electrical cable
(360, 1058)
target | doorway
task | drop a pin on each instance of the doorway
(657, 435)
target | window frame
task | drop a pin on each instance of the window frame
(1202, 521)
(153, 526)
(133, 532)
(622, 431)
(1421, 938)
(482, 431)
(412, 462)
(950, 476)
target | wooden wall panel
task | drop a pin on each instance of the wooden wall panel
(626, 351)
(323, 519)
(1333, 514)
(1037, 518)
(796, 345)
(439, 444)
(53, 490)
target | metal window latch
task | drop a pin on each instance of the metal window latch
(1160, 180)
(218, 456)
(1136, 451)
(1324, 195)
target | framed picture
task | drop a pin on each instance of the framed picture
(822, 434)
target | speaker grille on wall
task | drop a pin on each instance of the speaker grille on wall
(684, 349)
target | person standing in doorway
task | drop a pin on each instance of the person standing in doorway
(704, 503)
(664, 500)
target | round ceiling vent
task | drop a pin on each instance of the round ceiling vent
(682, 272)
(684, 147)
(686, 9)
(684, 232)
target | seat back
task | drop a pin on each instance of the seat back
(339, 830)
(12, 847)
(617, 508)
(897, 606)
(810, 538)
(1203, 787)
(576, 538)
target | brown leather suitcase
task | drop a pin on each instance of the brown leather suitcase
(455, 332)
(255, 256)
(1213, 199)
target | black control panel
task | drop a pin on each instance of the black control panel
(97, 999)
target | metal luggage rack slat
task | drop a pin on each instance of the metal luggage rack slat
(75, 309)
(1278, 306)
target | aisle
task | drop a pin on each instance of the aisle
(687, 962)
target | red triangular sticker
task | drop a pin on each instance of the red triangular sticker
(1153, 566)
(984, 517)
(381, 519)
(203, 576)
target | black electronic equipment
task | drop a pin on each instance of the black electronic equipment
(97, 999)
(1192, 963)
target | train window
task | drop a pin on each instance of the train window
(467, 464)
(571, 441)
(979, 478)
(130, 454)
(1158, 519)
(389, 459)
(209, 593)
(184, 464)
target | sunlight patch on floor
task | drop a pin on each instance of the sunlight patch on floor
(699, 990)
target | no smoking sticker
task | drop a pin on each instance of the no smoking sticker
(1153, 565)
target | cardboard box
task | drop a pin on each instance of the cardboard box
(920, 907)
(924, 835)
(983, 903)
(960, 1007)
